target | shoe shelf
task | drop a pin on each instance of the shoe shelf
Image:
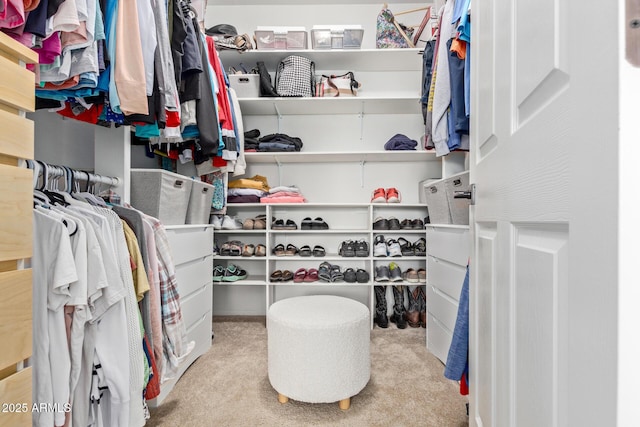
(320, 284)
(398, 103)
(240, 231)
(251, 280)
(340, 59)
(340, 156)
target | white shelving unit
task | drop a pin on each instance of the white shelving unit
(346, 221)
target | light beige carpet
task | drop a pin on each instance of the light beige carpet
(229, 386)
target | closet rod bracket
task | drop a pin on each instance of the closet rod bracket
(362, 163)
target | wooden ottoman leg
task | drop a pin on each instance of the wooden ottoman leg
(345, 403)
(282, 398)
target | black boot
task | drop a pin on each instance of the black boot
(380, 317)
(423, 307)
(399, 312)
(413, 311)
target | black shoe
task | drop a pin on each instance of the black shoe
(347, 249)
(394, 224)
(350, 275)
(381, 224)
(362, 248)
(362, 276)
(380, 317)
(398, 317)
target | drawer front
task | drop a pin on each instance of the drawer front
(196, 304)
(16, 204)
(190, 243)
(192, 275)
(450, 244)
(16, 389)
(442, 308)
(438, 339)
(16, 138)
(445, 276)
(200, 332)
(16, 85)
(15, 317)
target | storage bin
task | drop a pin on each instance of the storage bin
(436, 200)
(245, 85)
(444, 208)
(336, 37)
(291, 38)
(199, 208)
(458, 208)
(161, 194)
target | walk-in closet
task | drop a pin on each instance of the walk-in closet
(265, 212)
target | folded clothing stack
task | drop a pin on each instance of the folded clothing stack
(284, 194)
(247, 190)
(279, 142)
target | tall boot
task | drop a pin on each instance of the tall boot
(399, 312)
(380, 317)
(423, 306)
(413, 311)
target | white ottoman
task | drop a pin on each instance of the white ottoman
(318, 349)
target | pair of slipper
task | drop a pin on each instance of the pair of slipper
(251, 250)
(256, 223)
(280, 250)
(281, 276)
(304, 275)
(314, 224)
(306, 251)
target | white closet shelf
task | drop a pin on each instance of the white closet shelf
(261, 231)
(330, 231)
(398, 104)
(245, 282)
(329, 205)
(318, 283)
(340, 156)
(304, 2)
(333, 59)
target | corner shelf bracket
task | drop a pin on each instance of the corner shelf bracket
(279, 163)
(362, 162)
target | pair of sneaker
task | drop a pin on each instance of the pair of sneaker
(390, 273)
(384, 248)
(231, 273)
(389, 195)
(352, 248)
(359, 275)
(225, 222)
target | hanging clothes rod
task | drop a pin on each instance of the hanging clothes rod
(52, 173)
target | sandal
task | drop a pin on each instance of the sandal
(305, 251)
(276, 276)
(287, 275)
(362, 276)
(405, 247)
(278, 225)
(299, 275)
(248, 250)
(350, 275)
(278, 250)
(318, 251)
(225, 249)
(324, 272)
(306, 224)
(235, 248)
(319, 224)
(291, 250)
(261, 250)
(422, 275)
(420, 247)
(312, 275)
(259, 224)
(248, 224)
(336, 274)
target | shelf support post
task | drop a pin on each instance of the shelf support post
(275, 106)
(279, 163)
(361, 117)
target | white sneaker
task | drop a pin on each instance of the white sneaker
(379, 247)
(229, 223)
(216, 222)
(393, 248)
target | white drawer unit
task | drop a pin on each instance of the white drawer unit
(192, 250)
(447, 257)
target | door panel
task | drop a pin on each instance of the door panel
(544, 159)
(540, 297)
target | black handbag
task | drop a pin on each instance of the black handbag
(266, 87)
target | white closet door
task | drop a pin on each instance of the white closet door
(544, 161)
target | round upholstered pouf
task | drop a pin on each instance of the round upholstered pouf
(318, 348)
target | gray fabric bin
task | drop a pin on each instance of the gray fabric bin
(436, 199)
(199, 208)
(161, 194)
(458, 208)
